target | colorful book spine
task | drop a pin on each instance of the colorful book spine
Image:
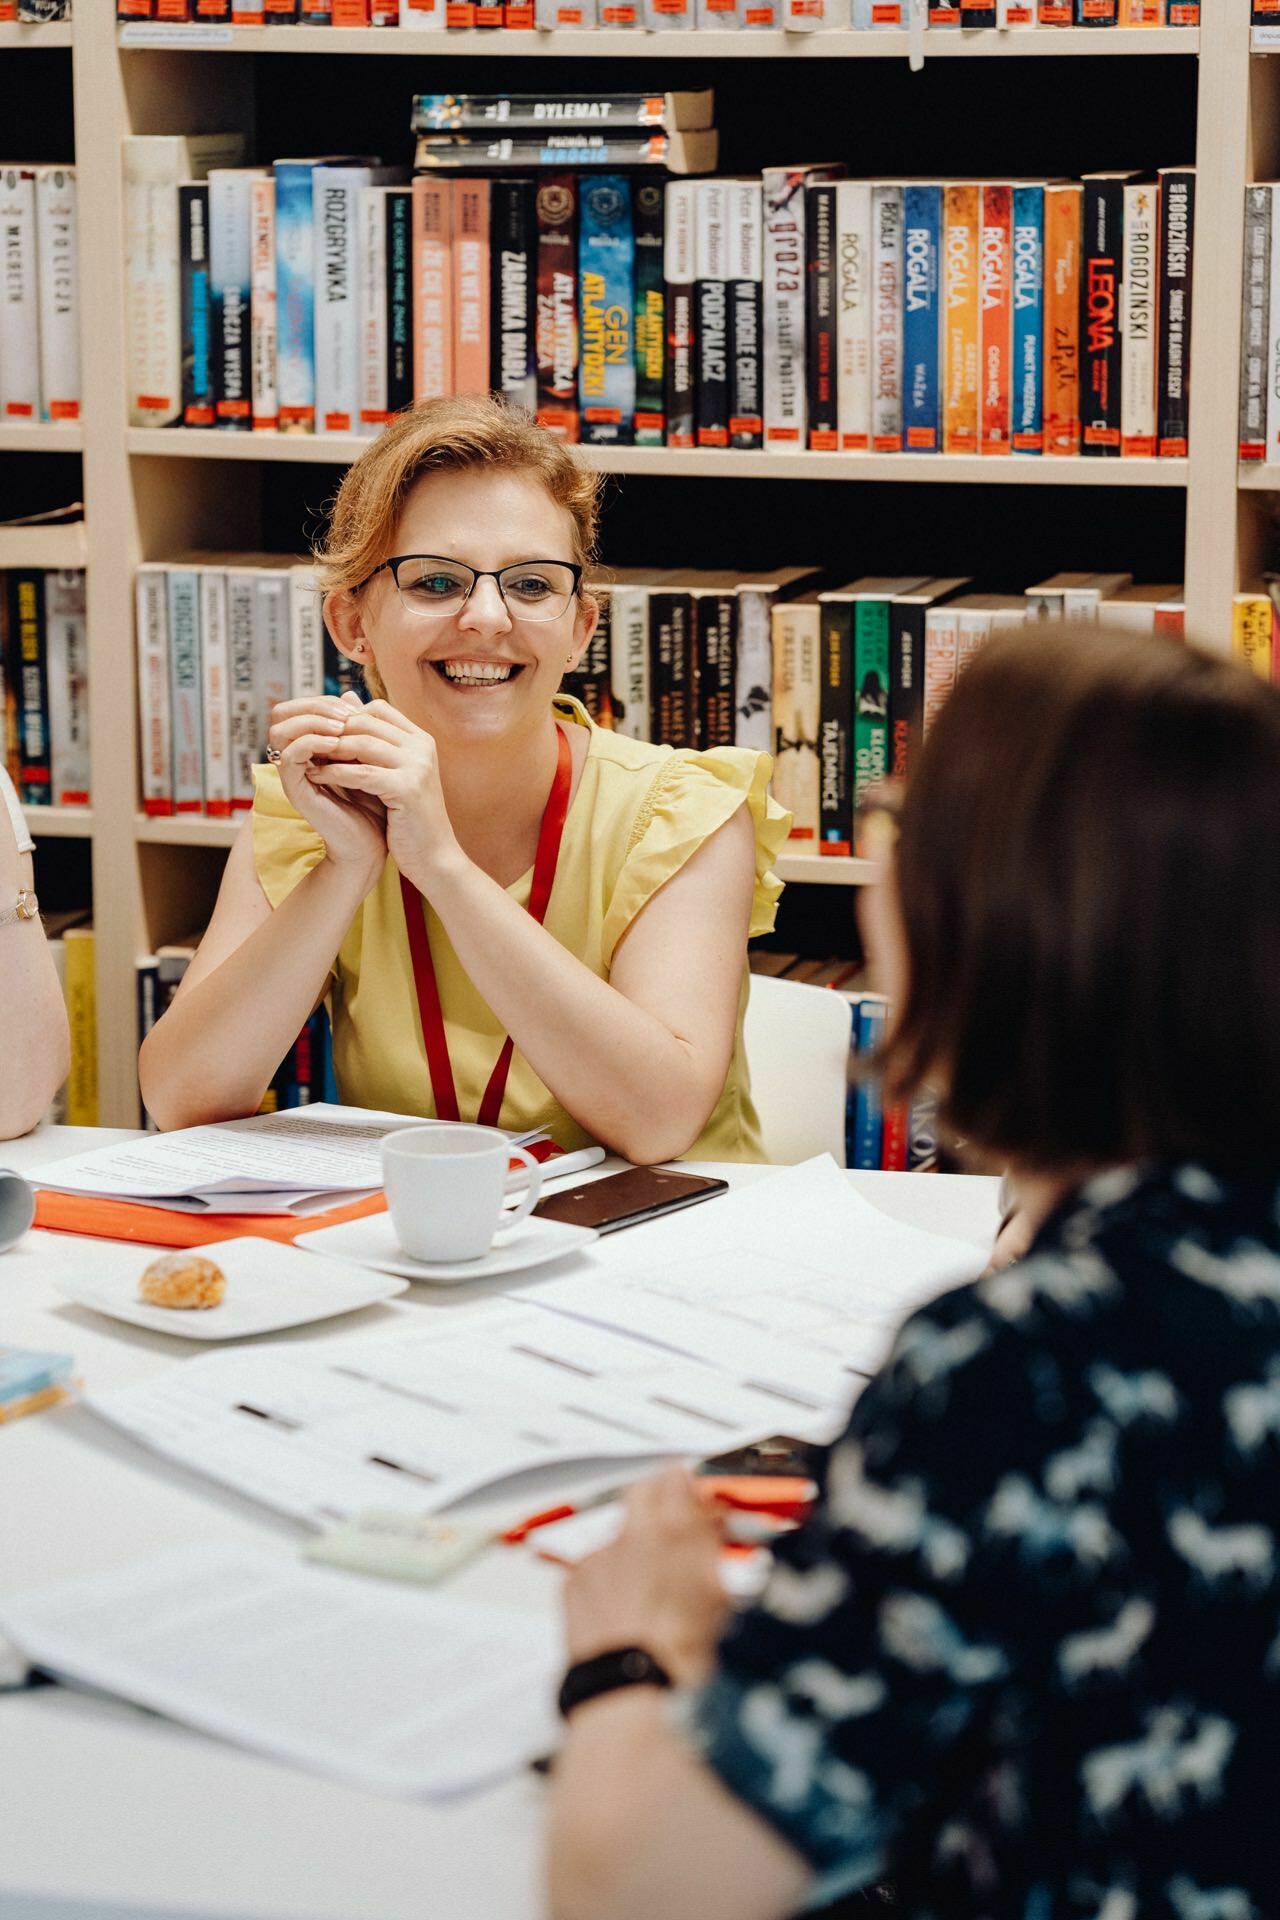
(20, 306)
(371, 255)
(960, 280)
(711, 312)
(513, 316)
(82, 1021)
(1177, 243)
(263, 306)
(29, 654)
(1138, 323)
(215, 675)
(155, 724)
(679, 272)
(471, 267)
(230, 289)
(836, 726)
(746, 274)
(1028, 319)
(650, 315)
(57, 248)
(922, 320)
(295, 293)
(1062, 320)
(854, 307)
(1100, 347)
(432, 288)
(606, 278)
(995, 281)
(871, 694)
(398, 254)
(196, 306)
(821, 341)
(557, 308)
(68, 681)
(868, 1115)
(886, 337)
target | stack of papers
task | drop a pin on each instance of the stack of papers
(292, 1162)
(402, 1693)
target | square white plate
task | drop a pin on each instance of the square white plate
(372, 1242)
(269, 1286)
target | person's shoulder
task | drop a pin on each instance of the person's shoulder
(13, 806)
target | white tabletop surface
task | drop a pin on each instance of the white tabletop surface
(102, 1805)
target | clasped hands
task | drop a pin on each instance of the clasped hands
(368, 780)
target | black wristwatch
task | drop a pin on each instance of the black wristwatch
(606, 1672)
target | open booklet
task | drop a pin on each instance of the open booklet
(396, 1690)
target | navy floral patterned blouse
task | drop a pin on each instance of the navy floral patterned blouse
(1026, 1660)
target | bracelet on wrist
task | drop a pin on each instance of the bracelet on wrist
(607, 1673)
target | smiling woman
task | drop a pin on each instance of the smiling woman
(516, 916)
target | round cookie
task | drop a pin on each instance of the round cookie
(182, 1280)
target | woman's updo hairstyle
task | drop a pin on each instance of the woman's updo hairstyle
(447, 435)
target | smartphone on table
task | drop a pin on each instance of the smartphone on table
(625, 1199)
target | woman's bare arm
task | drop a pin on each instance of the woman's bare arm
(37, 1047)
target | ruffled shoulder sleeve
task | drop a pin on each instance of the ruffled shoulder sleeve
(285, 848)
(691, 797)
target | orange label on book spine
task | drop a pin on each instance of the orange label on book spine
(824, 440)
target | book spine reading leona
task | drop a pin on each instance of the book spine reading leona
(1100, 348)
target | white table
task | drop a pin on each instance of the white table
(103, 1805)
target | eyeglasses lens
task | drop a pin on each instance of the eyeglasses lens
(438, 589)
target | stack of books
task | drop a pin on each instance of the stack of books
(667, 16)
(44, 685)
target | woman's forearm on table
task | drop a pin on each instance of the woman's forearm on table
(211, 1056)
(624, 1076)
(37, 1053)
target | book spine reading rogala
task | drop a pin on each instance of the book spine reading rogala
(1177, 236)
(962, 318)
(745, 268)
(1028, 319)
(557, 324)
(922, 320)
(606, 268)
(710, 268)
(853, 325)
(678, 268)
(514, 292)
(650, 315)
(995, 280)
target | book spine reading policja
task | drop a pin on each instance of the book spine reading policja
(1028, 319)
(606, 271)
(1177, 240)
(196, 305)
(679, 271)
(57, 250)
(1100, 368)
(514, 292)
(650, 315)
(820, 343)
(922, 321)
(835, 739)
(557, 308)
(710, 273)
(745, 265)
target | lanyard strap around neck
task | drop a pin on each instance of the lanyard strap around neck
(430, 1013)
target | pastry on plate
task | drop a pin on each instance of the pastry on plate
(183, 1280)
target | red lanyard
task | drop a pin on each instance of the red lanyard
(424, 974)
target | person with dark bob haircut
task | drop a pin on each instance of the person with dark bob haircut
(1024, 1661)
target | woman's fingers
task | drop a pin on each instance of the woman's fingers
(365, 724)
(321, 705)
(304, 746)
(356, 773)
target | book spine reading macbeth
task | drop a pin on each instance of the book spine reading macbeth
(196, 306)
(710, 249)
(922, 327)
(650, 315)
(606, 265)
(679, 272)
(1177, 229)
(1028, 319)
(820, 343)
(514, 293)
(557, 309)
(745, 268)
(835, 738)
(1100, 367)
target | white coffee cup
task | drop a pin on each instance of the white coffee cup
(17, 1208)
(445, 1188)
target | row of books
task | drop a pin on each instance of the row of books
(40, 311)
(1255, 630)
(69, 934)
(44, 685)
(666, 16)
(35, 12)
(304, 1075)
(796, 311)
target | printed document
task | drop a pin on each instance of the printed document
(401, 1692)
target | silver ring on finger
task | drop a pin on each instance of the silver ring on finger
(274, 755)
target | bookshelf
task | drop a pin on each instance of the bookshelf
(149, 494)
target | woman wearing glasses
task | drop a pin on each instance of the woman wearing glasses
(518, 917)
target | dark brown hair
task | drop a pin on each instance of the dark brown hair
(1089, 880)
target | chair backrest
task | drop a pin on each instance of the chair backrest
(796, 1041)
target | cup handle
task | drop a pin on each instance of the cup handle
(530, 1200)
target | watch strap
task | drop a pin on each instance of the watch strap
(606, 1673)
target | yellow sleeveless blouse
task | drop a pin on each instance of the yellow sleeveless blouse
(639, 814)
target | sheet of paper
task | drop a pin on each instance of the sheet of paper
(406, 1693)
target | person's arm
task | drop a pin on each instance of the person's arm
(259, 971)
(37, 1045)
(639, 1060)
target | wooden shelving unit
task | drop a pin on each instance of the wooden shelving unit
(148, 494)
(16, 37)
(59, 823)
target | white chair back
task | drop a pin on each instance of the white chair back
(796, 1040)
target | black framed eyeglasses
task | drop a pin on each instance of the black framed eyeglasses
(437, 588)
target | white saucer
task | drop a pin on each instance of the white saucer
(372, 1242)
(269, 1286)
